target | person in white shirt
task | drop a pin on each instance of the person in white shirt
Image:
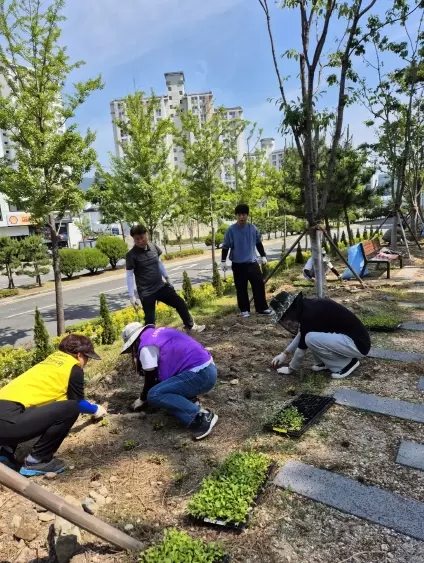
(309, 272)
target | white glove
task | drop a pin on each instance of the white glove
(264, 260)
(278, 360)
(224, 266)
(286, 370)
(100, 413)
(135, 301)
(137, 404)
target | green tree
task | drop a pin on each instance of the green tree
(187, 290)
(217, 281)
(365, 234)
(299, 255)
(71, 261)
(114, 248)
(109, 333)
(141, 186)
(42, 344)
(343, 238)
(50, 156)
(35, 258)
(358, 234)
(207, 148)
(84, 226)
(10, 258)
(94, 259)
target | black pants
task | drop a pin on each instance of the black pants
(169, 296)
(52, 422)
(243, 274)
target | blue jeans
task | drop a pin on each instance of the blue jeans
(174, 394)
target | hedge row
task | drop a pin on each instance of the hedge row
(182, 253)
(8, 293)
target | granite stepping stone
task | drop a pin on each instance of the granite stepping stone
(380, 405)
(411, 454)
(384, 354)
(412, 326)
(421, 383)
(369, 502)
(411, 305)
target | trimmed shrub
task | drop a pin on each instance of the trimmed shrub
(371, 232)
(365, 235)
(113, 247)
(358, 234)
(14, 361)
(71, 261)
(299, 255)
(8, 293)
(42, 344)
(109, 332)
(219, 239)
(216, 281)
(182, 253)
(187, 290)
(94, 259)
(343, 239)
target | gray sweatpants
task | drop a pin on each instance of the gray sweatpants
(332, 349)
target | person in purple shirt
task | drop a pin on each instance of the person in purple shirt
(176, 369)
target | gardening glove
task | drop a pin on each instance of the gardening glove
(297, 360)
(286, 370)
(100, 413)
(278, 360)
(224, 266)
(135, 302)
(139, 405)
(169, 283)
(263, 260)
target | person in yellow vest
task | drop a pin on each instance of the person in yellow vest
(45, 401)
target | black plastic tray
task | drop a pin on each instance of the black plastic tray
(311, 406)
(231, 526)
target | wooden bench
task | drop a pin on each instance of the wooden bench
(370, 250)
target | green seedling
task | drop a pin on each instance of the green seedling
(104, 422)
(229, 492)
(179, 547)
(179, 477)
(157, 425)
(157, 459)
(115, 430)
(129, 445)
(287, 420)
(381, 320)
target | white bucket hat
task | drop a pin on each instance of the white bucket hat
(130, 334)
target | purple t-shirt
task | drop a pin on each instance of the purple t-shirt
(178, 352)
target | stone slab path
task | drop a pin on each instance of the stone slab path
(412, 326)
(411, 304)
(347, 495)
(421, 383)
(411, 454)
(384, 354)
(380, 405)
(406, 273)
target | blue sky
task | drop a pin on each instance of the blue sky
(221, 45)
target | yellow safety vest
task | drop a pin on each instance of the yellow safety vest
(42, 384)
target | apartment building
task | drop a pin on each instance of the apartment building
(275, 156)
(176, 98)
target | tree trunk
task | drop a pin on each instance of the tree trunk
(10, 277)
(122, 230)
(414, 220)
(393, 242)
(60, 314)
(316, 247)
(327, 226)
(38, 280)
(348, 228)
(285, 233)
(213, 241)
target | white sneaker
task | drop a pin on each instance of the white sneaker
(245, 314)
(319, 367)
(196, 328)
(347, 370)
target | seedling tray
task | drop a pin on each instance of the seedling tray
(231, 526)
(312, 407)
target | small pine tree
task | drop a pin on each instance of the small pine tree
(343, 238)
(109, 333)
(187, 290)
(358, 234)
(216, 281)
(42, 344)
(365, 234)
(371, 232)
(299, 255)
(333, 248)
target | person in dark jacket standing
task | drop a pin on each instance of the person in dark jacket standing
(143, 262)
(243, 239)
(334, 335)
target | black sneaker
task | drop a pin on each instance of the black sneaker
(347, 370)
(319, 367)
(32, 469)
(204, 423)
(7, 458)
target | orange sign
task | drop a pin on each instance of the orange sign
(16, 219)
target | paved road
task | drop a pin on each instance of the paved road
(82, 303)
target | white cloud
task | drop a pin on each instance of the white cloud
(112, 31)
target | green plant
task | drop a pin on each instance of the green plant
(182, 253)
(35, 258)
(10, 258)
(157, 424)
(42, 345)
(343, 239)
(228, 493)
(14, 361)
(187, 290)
(179, 547)
(129, 445)
(8, 293)
(365, 234)
(371, 232)
(94, 259)
(358, 234)
(299, 255)
(287, 420)
(387, 320)
(325, 246)
(216, 281)
(109, 332)
(113, 247)
(157, 459)
(71, 261)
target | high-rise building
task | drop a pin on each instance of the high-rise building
(176, 98)
(275, 156)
